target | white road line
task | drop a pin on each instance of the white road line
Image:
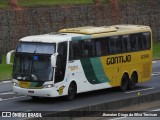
(141, 90)
(155, 110)
(7, 93)
(12, 98)
(5, 82)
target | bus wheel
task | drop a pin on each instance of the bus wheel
(133, 80)
(72, 90)
(124, 82)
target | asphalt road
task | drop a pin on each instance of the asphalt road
(11, 102)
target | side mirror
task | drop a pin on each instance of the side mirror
(53, 59)
(8, 58)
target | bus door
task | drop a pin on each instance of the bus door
(61, 62)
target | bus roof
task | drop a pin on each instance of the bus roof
(87, 32)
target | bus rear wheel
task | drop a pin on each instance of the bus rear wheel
(133, 80)
(124, 82)
(72, 90)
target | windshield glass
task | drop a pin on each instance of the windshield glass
(32, 67)
(42, 48)
(32, 62)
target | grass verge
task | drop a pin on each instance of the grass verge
(5, 70)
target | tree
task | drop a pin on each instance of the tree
(14, 4)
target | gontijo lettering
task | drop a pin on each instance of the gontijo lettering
(118, 59)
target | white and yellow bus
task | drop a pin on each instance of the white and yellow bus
(82, 59)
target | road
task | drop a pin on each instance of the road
(11, 102)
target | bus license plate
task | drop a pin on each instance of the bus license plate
(30, 91)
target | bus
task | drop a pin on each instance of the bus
(82, 59)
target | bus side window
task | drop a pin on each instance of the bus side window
(88, 48)
(146, 41)
(98, 48)
(126, 43)
(104, 46)
(133, 40)
(118, 41)
(112, 45)
(76, 50)
(140, 41)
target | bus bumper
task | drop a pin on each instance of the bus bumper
(44, 92)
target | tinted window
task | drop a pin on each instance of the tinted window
(76, 50)
(119, 48)
(88, 49)
(133, 42)
(140, 41)
(126, 43)
(112, 45)
(146, 41)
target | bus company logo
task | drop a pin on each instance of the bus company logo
(73, 67)
(60, 90)
(118, 59)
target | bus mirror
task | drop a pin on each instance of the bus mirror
(53, 59)
(8, 58)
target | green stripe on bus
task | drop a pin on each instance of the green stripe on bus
(89, 72)
(98, 69)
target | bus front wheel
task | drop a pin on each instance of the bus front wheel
(124, 82)
(72, 90)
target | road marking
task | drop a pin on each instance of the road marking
(141, 90)
(155, 61)
(155, 73)
(11, 98)
(7, 93)
(5, 82)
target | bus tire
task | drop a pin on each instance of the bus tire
(72, 90)
(124, 82)
(132, 81)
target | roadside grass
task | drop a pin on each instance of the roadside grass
(5, 70)
(156, 50)
(37, 3)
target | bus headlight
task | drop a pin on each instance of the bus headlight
(48, 86)
(15, 84)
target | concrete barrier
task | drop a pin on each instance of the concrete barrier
(97, 109)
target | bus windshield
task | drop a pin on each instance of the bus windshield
(32, 62)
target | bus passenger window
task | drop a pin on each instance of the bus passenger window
(88, 48)
(140, 41)
(126, 43)
(118, 41)
(133, 40)
(76, 50)
(104, 46)
(146, 41)
(112, 46)
(98, 48)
